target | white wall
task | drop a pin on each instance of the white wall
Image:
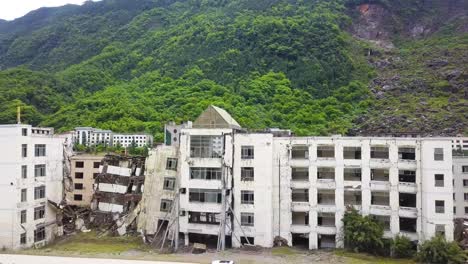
(459, 188)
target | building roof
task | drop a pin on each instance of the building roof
(215, 117)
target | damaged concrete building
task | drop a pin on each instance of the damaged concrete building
(119, 187)
(31, 174)
(236, 187)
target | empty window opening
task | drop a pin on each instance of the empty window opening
(247, 219)
(206, 146)
(439, 180)
(352, 198)
(408, 224)
(326, 241)
(39, 212)
(96, 165)
(300, 152)
(169, 183)
(78, 186)
(380, 152)
(407, 153)
(78, 197)
(171, 164)
(211, 241)
(324, 173)
(407, 200)
(205, 173)
(247, 240)
(247, 174)
(384, 220)
(326, 197)
(23, 216)
(39, 234)
(300, 218)
(352, 174)
(205, 196)
(79, 175)
(380, 175)
(300, 240)
(407, 176)
(325, 151)
(247, 197)
(166, 205)
(440, 207)
(79, 164)
(300, 195)
(439, 154)
(300, 174)
(352, 153)
(380, 198)
(465, 169)
(23, 239)
(247, 152)
(326, 219)
(203, 218)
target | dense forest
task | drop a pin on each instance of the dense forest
(133, 65)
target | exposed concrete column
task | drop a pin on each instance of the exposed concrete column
(186, 239)
(394, 201)
(366, 193)
(339, 239)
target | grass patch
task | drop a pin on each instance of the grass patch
(283, 251)
(361, 258)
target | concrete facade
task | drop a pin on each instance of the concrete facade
(84, 169)
(460, 179)
(31, 168)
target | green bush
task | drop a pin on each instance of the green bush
(402, 247)
(438, 250)
(362, 233)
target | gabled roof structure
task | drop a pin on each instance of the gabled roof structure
(215, 117)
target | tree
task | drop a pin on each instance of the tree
(438, 250)
(402, 247)
(362, 233)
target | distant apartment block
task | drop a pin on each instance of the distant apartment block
(460, 143)
(460, 183)
(84, 169)
(89, 136)
(31, 168)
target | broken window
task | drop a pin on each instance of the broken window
(407, 153)
(380, 175)
(39, 150)
(300, 218)
(206, 146)
(247, 152)
(24, 171)
(169, 183)
(78, 197)
(325, 151)
(247, 174)
(324, 173)
(39, 234)
(203, 218)
(23, 238)
(407, 200)
(23, 216)
(247, 197)
(24, 195)
(79, 164)
(24, 150)
(247, 219)
(352, 153)
(40, 170)
(300, 195)
(380, 198)
(352, 198)
(300, 152)
(408, 176)
(205, 173)
(380, 152)
(326, 197)
(384, 220)
(438, 154)
(439, 180)
(326, 219)
(205, 195)
(408, 224)
(39, 212)
(171, 164)
(439, 207)
(352, 174)
(96, 165)
(79, 175)
(39, 192)
(79, 186)
(166, 205)
(300, 174)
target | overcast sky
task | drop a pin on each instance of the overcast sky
(11, 9)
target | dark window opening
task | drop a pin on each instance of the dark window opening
(300, 218)
(439, 180)
(247, 174)
(326, 197)
(247, 197)
(247, 152)
(326, 241)
(39, 212)
(203, 218)
(78, 186)
(326, 219)
(408, 224)
(407, 153)
(379, 153)
(78, 197)
(300, 240)
(300, 174)
(205, 196)
(39, 234)
(380, 175)
(300, 195)
(325, 173)
(96, 165)
(440, 207)
(407, 176)
(352, 174)
(407, 200)
(352, 153)
(300, 152)
(325, 151)
(79, 164)
(352, 198)
(79, 175)
(380, 198)
(247, 219)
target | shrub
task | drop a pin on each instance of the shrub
(362, 233)
(438, 250)
(402, 247)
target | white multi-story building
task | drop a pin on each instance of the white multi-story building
(460, 183)
(31, 175)
(460, 143)
(298, 188)
(89, 136)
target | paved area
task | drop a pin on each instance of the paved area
(24, 259)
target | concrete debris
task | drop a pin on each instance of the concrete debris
(198, 248)
(280, 242)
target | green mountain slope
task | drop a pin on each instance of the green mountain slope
(306, 65)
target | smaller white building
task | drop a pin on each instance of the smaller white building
(460, 143)
(90, 136)
(31, 174)
(460, 180)
(127, 140)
